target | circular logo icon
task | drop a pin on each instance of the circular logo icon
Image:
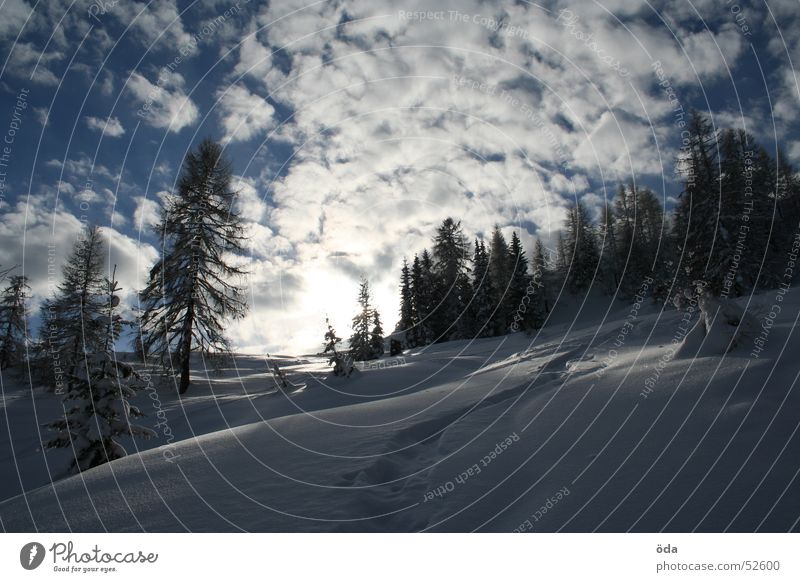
(31, 555)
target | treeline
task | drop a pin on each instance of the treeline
(730, 231)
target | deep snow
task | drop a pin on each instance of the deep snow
(573, 429)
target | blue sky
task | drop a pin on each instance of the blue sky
(355, 127)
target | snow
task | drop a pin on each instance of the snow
(573, 429)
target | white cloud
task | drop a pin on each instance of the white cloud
(163, 104)
(243, 114)
(110, 127)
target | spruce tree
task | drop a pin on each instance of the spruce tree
(450, 257)
(69, 319)
(97, 406)
(341, 361)
(540, 267)
(191, 291)
(696, 213)
(13, 315)
(500, 276)
(581, 241)
(609, 253)
(423, 283)
(481, 306)
(376, 336)
(361, 347)
(522, 294)
(406, 323)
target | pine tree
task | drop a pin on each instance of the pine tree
(361, 347)
(522, 294)
(13, 315)
(609, 254)
(452, 289)
(500, 276)
(481, 306)
(341, 361)
(422, 284)
(376, 336)
(189, 294)
(406, 323)
(540, 267)
(69, 329)
(97, 404)
(695, 222)
(580, 239)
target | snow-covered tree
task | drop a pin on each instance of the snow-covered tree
(376, 335)
(13, 313)
(97, 404)
(192, 289)
(361, 347)
(69, 319)
(696, 213)
(341, 361)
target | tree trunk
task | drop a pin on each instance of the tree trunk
(186, 349)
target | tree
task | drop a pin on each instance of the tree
(190, 294)
(500, 276)
(522, 293)
(609, 254)
(406, 323)
(97, 404)
(540, 268)
(422, 285)
(452, 286)
(13, 314)
(376, 336)
(696, 213)
(481, 305)
(342, 362)
(361, 347)
(581, 241)
(69, 319)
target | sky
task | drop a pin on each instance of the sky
(355, 127)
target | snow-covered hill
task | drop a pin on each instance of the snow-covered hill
(598, 425)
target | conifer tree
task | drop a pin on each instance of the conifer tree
(423, 283)
(361, 347)
(406, 323)
(481, 306)
(500, 276)
(341, 361)
(695, 222)
(522, 294)
(450, 257)
(376, 336)
(97, 406)
(192, 289)
(609, 253)
(580, 239)
(540, 267)
(13, 314)
(69, 319)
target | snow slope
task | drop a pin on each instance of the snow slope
(582, 427)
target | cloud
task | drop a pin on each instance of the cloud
(163, 104)
(243, 114)
(110, 127)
